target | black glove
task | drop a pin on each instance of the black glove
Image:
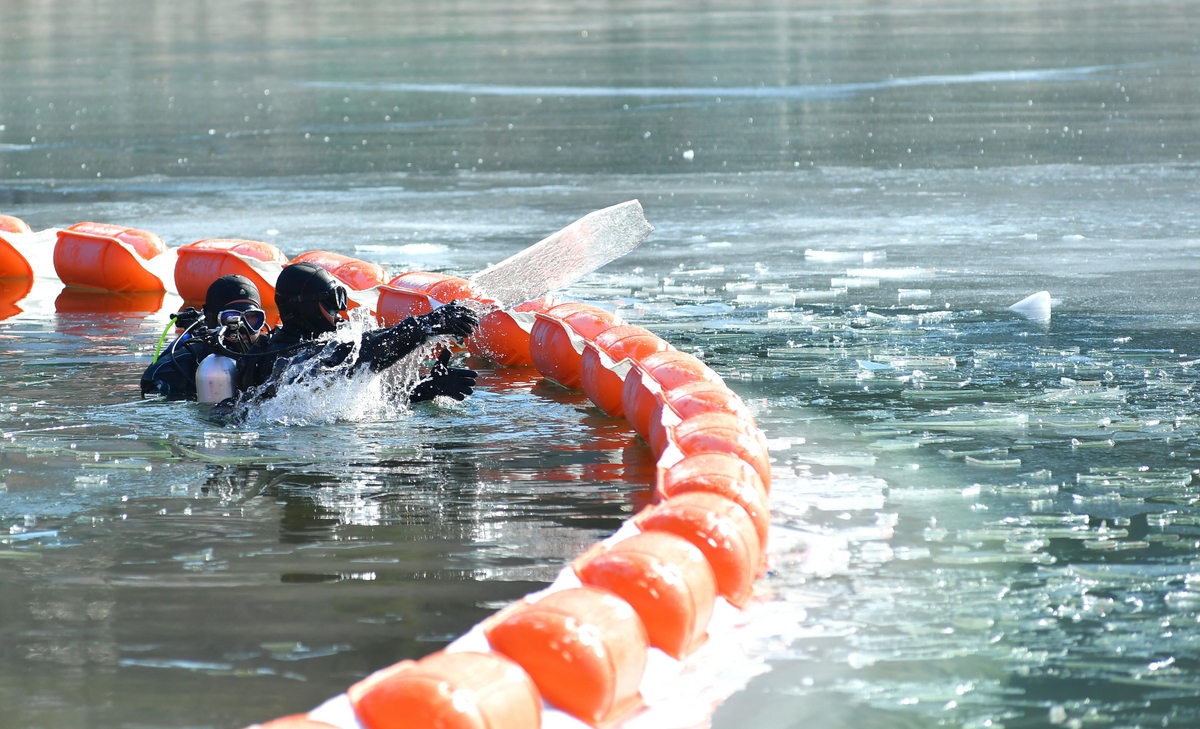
(455, 382)
(453, 319)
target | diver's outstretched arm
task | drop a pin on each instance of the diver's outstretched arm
(385, 347)
(380, 350)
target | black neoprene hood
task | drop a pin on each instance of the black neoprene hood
(297, 294)
(228, 289)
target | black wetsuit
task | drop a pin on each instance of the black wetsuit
(270, 363)
(173, 374)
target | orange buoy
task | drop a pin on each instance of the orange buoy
(406, 296)
(207, 260)
(550, 345)
(498, 337)
(724, 475)
(693, 399)
(395, 305)
(501, 339)
(295, 721)
(107, 257)
(667, 370)
(722, 433)
(418, 280)
(448, 691)
(603, 386)
(12, 290)
(13, 263)
(585, 649)
(666, 580)
(717, 527)
(453, 288)
(147, 244)
(11, 224)
(450, 289)
(358, 275)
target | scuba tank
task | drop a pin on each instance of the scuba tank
(215, 379)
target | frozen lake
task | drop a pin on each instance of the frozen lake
(983, 520)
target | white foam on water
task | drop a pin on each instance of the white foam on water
(316, 395)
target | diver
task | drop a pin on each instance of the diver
(232, 302)
(311, 303)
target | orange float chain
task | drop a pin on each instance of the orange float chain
(583, 649)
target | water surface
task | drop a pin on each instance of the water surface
(995, 516)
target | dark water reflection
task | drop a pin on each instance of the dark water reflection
(282, 582)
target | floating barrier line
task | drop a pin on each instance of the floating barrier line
(627, 612)
(623, 616)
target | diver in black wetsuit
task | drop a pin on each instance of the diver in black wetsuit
(230, 300)
(310, 301)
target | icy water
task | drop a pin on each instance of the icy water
(980, 520)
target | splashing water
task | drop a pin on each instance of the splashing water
(315, 394)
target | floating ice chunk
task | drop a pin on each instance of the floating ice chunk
(854, 461)
(911, 272)
(409, 249)
(689, 154)
(753, 299)
(1073, 236)
(835, 256)
(993, 462)
(1029, 236)
(913, 294)
(818, 294)
(853, 283)
(1016, 420)
(1035, 306)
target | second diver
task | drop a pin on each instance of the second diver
(310, 303)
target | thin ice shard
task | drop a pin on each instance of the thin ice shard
(566, 256)
(1035, 306)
